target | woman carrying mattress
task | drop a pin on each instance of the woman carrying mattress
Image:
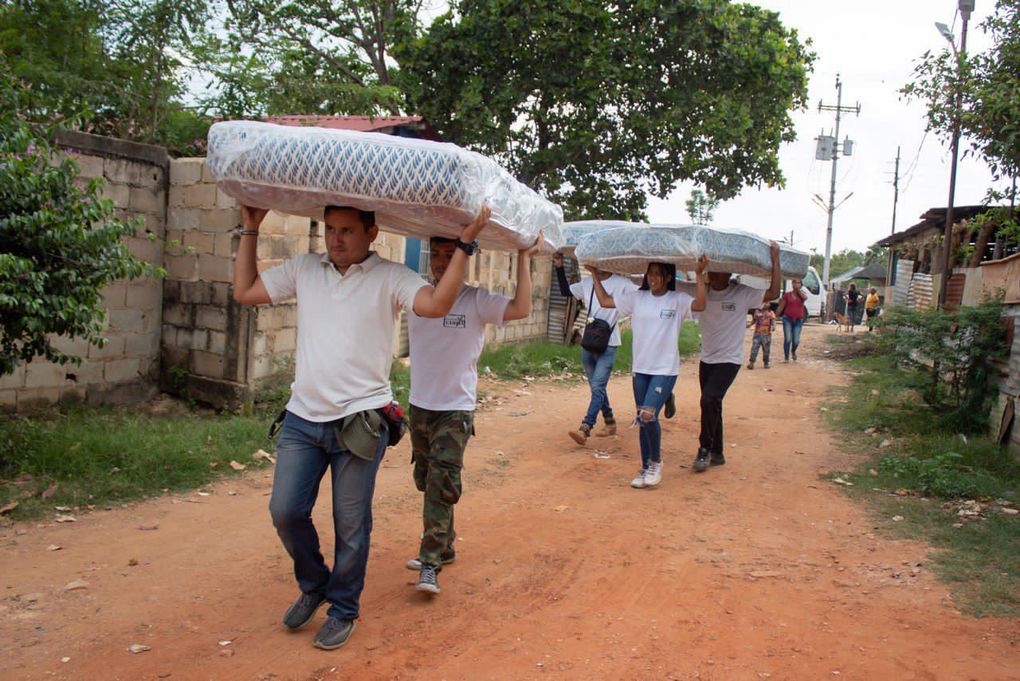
(657, 311)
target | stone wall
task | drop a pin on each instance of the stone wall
(125, 368)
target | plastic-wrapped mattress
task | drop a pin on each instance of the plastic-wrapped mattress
(416, 187)
(628, 250)
(574, 231)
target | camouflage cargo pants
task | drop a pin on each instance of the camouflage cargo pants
(438, 439)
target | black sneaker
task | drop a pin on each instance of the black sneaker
(427, 581)
(701, 460)
(303, 610)
(334, 633)
(445, 559)
(717, 459)
(670, 409)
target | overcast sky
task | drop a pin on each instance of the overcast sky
(873, 46)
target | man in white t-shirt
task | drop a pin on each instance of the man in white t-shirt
(722, 349)
(444, 382)
(348, 300)
(598, 366)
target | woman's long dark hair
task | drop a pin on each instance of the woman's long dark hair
(669, 271)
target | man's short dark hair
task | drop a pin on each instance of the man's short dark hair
(367, 217)
(439, 240)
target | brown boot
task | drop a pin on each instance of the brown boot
(608, 430)
(580, 436)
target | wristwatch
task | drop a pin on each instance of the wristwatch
(470, 248)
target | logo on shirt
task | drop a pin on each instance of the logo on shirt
(667, 314)
(455, 321)
(729, 307)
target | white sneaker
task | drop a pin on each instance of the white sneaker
(639, 481)
(653, 476)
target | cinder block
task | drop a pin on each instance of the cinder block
(207, 364)
(120, 194)
(206, 174)
(217, 342)
(114, 295)
(219, 219)
(144, 295)
(200, 196)
(213, 268)
(199, 339)
(8, 400)
(147, 200)
(202, 242)
(225, 201)
(86, 373)
(183, 267)
(173, 356)
(88, 166)
(114, 347)
(285, 340)
(154, 224)
(182, 218)
(132, 173)
(197, 292)
(263, 367)
(141, 344)
(126, 320)
(175, 196)
(13, 380)
(143, 248)
(37, 398)
(121, 370)
(72, 394)
(186, 170)
(209, 317)
(261, 344)
(178, 314)
(223, 245)
(222, 294)
(75, 347)
(40, 374)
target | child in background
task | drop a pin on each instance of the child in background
(764, 323)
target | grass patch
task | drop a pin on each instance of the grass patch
(542, 358)
(927, 476)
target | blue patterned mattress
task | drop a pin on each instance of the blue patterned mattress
(417, 187)
(574, 231)
(628, 250)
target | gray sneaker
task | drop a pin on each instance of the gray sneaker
(701, 460)
(333, 634)
(303, 610)
(427, 581)
(415, 564)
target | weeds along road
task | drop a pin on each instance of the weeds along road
(755, 570)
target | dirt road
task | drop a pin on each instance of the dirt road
(754, 570)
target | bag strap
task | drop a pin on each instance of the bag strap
(591, 300)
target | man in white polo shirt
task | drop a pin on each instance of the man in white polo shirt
(722, 348)
(444, 381)
(348, 300)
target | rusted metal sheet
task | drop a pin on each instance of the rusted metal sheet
(904, 273)
(1003, 275)
(954, 292)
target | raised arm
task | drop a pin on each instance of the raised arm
(520, 306)
(605, 300)
(561, 275)
(248, 286)
(777, 277)
(436, 302)
(701, 293)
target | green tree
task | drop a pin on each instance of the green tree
(701, 206)
(597, 104)
(59, 243)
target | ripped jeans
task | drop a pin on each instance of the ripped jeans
(650, 393)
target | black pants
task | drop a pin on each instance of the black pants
(715, 380)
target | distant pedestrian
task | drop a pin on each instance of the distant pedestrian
(793, 313)
(872, 308)
(852, 297)
(764, 323)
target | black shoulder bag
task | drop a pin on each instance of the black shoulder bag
(596, 332)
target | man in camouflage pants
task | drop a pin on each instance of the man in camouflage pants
(444, 380)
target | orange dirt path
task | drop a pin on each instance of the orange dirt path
(754, 570)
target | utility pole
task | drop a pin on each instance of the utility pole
(896, 190)
(965, 7)
(828, 150)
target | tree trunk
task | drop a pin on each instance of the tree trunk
(981, 244)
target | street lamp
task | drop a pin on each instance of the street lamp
(965, 7)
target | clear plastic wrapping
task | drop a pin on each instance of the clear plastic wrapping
(574, 231)
(628, 250)
(416, 187)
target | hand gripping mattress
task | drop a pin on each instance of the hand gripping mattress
(629, 250)
(417, 187)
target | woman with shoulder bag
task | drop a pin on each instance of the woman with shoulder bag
(657, 311)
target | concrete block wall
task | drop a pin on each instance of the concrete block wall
(125, 368)
(497, 272)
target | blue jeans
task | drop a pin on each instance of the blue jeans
(791, 335)
(598, 368)
(650, 392)
(304, 451)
